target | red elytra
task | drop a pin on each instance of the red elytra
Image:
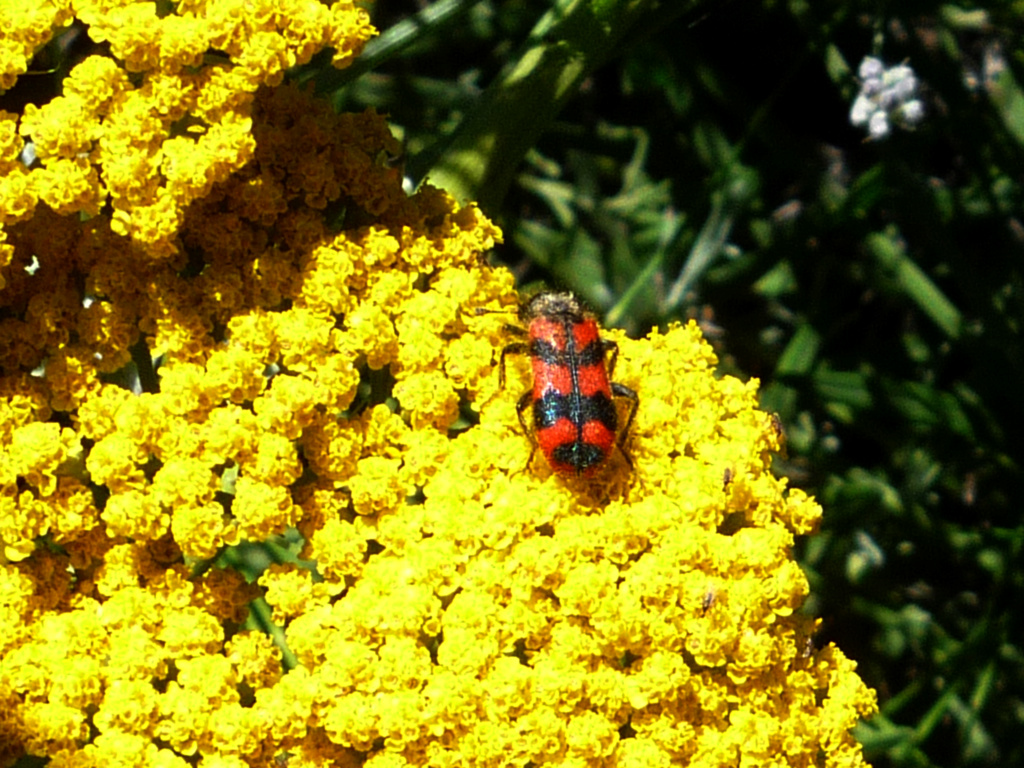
(575, 419)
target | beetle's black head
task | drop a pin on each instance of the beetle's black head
(553, 304)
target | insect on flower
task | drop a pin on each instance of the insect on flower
(575, 418)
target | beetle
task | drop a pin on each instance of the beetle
(575, 417)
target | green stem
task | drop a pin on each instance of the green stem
(671, 226)
(261, 614)
(143, 360)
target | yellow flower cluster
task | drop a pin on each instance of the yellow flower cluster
(154, 128)
(255, 370)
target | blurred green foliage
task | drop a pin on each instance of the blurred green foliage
(704, 165)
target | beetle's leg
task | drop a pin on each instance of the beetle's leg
(515, 348)
(621, 390)
(607, 345)
(525, 402)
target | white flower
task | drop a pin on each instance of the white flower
(886, 96)
(863, 108)
(878, 125)
(870, 68)
(912, 112)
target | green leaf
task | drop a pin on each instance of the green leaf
(800, 354)
(1008, 99)
(890, 254)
